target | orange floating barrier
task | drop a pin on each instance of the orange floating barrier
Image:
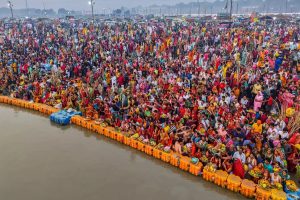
(22, 103)
(141, 146)
(221, 178)
(208, 175)
(175, 159)
(234, 183)
(84, 123)
(262, 194)
(79, 121)
(248, 188)
(53, 110)
(127, 140)
(100, 129)
(48, 110)
(76, 120)
(156, 153)
(149, 150)
(96, 128)
(134, 143)
(42, 109)
(1, 99)
(19, 103)
(196, 169)
(113, 135)
(90, 125)
(5, 100)
(31, 106)
(14, 102)
(106, 132)
(9, 100)
(36, 106)
(165, 156)
(120, 137)
(26, 104)
(184, 163)
(278, 195)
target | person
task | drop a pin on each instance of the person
(257, 127)
(251, 161)
(238, 164)
(293, 159)
(177, 147)
(275, 178)
(258, 101)
(268, 167)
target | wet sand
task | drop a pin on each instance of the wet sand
(42, 161)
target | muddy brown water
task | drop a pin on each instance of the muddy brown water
(42, 161)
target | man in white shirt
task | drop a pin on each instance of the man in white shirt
(244, 101)
(240, 155)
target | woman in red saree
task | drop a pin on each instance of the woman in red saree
(238, 167)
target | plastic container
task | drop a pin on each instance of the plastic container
(134, 143)
(234, 183)
(127, 140)
(175, 159)
(52, 110)
(149, 150)
(42, 109)
(106, 132)
(196, 169)
(120, 137)
(165, 156)
(26, 105)
(113, 135)
(278, 195)
(293, 195)
(141, 146)
(208, 175)
(36, 107)
(9, 100)
(91, 125)
(14, 102)
(31, 106)
(63, 117)
(22, 103)
(4, 99)
(156, 153)
(98, 129)
(47, 110)
(184, 163)
(75, 120)
(221, 178)
(248, 188)
(262, 194)
(84, 123)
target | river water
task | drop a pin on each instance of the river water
(42, 161)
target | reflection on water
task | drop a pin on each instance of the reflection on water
(41, 160)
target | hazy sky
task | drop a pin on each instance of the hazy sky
(83, 4)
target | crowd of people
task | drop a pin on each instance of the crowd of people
(226, 96)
